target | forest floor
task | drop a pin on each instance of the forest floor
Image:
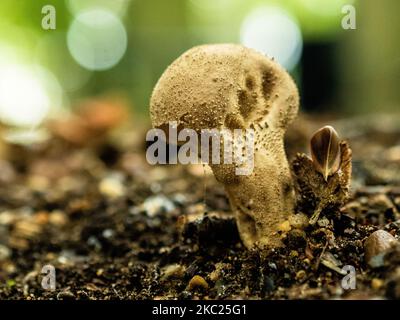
(115, 227)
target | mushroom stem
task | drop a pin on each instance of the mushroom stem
(263, 200)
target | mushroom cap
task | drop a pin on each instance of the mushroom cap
(224, 86)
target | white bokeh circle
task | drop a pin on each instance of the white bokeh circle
(97, 39)
(275, 33)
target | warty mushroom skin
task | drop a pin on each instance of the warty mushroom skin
(228, 86)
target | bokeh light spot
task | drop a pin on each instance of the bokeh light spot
(274, 32)
(97, 39)
(23, 99)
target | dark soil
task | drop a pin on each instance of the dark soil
(115, 227)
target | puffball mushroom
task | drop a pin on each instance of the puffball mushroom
(228, 86)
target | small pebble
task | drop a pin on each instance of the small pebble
(27, 228)
(376, 283)
(156, 205)
(285, 226)
(7, 217)
(393, 154)
(294, 254)
(99, 272)
(65, 295)
(300, 275)
(197, 282)
(376, 246)
(111, 187)
(108, 233)
(42, 217)
(272, 265)
(58, 218)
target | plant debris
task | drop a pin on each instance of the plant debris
(317, 195)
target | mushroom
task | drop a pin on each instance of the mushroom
(228, 86)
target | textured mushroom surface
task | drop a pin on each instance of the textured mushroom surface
(228, 86)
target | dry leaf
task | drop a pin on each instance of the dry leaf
(325, 151)
(315, 195)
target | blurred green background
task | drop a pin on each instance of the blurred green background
(102, 47)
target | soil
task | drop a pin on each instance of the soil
(115, 227)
